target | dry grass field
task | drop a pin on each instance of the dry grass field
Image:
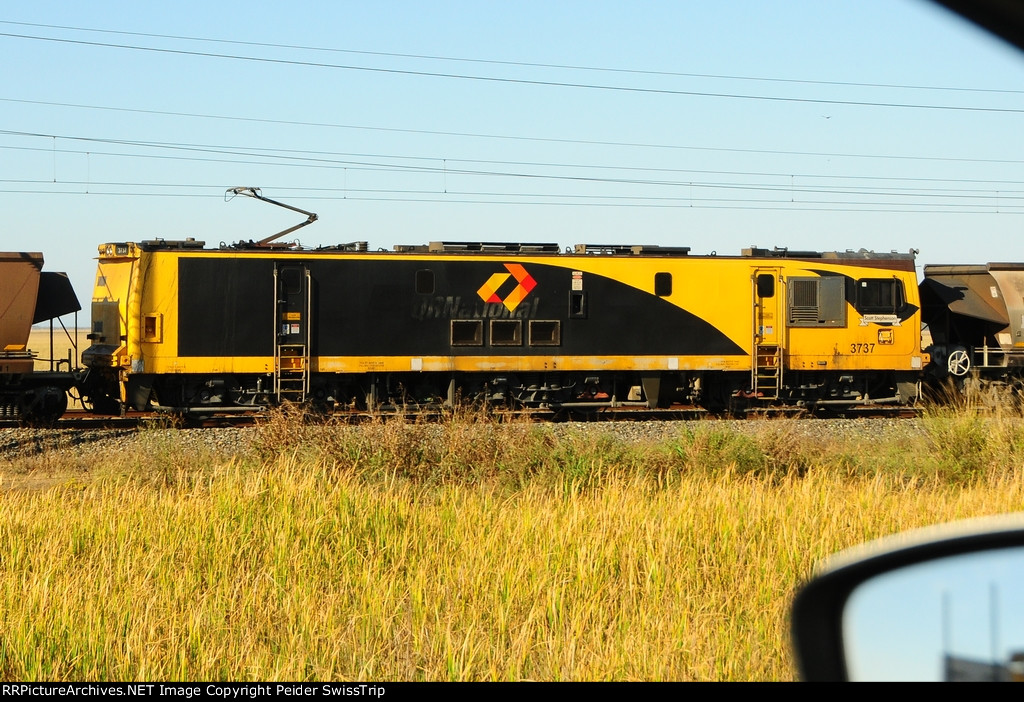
(466, 550)
(62, 350)
(39, 342)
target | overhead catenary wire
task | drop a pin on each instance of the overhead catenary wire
(765, 205)
(908, 193)
(831, 191)
(586, 142)
(977, 193)
(1002, 203)
(420, 164)
(524, 81)
(522, 64)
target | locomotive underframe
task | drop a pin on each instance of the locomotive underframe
(714, 391)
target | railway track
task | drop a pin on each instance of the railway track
(81, 419)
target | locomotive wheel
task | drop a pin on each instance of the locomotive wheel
(959, 363)
(42, 407)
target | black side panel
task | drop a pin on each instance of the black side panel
(56, 297)
(225, 307)
(372, 308)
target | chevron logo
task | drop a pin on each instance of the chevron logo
(488, 292)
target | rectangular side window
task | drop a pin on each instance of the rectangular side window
(467, 332)
(290, 280)
(879, 296)
(662, 284)
(153, 328)
(425, 282)
(577, 304)
(545, 333)
(506, 332)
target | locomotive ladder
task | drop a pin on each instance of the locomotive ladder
(766, 341)
(293, 295)
(766, 375)
(291, 377)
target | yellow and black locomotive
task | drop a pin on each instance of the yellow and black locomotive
(183, 327)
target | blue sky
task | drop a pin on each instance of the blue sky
(886, 125)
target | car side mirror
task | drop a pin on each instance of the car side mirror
(940, 604)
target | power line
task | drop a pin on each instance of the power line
(520, 81)
(695, 203)
(523, 64)
(435, 170)
(305, 156)
(997, 192)
(511, 137)
(989, 203)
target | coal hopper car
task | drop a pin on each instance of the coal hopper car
(975, 315)
(28, 295)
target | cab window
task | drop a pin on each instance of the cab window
(879, 295)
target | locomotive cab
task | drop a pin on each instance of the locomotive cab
(114, 354)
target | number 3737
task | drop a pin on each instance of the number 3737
(862, 348)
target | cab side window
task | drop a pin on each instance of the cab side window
(879, 296)
(662, 284)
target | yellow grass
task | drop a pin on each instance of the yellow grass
(62, 356)
(39, 342)
(465, 551)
